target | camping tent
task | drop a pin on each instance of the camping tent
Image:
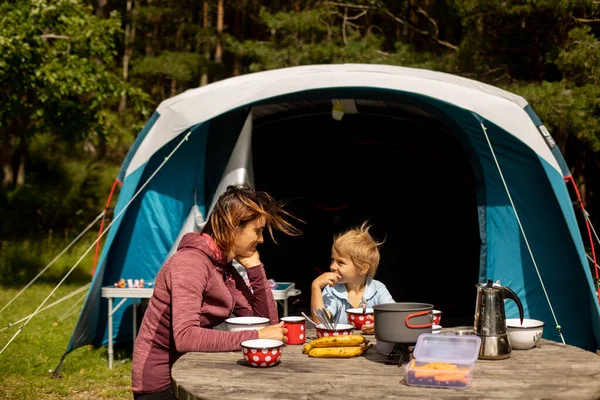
(457, 175)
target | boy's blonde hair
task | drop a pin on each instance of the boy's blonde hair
(360, 247)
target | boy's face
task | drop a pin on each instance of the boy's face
(345, 268)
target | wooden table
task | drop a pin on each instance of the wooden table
(551, 371)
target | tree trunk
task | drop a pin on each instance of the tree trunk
(20, 180)
(5, 157)
(102, 9)
(8, 179)
(127, 53)
(205, 25)
(22, 150)
(220, 18)
(237, 31)
(173, 87)
(149, 37)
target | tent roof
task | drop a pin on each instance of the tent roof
(195, 106)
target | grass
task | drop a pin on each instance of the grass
(26, 364)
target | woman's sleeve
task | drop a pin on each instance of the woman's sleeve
(259, 301)
(187, 279)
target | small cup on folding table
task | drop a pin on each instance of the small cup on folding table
(296, 327)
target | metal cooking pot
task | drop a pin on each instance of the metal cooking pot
(402, 322)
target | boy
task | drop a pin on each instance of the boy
(350, 284)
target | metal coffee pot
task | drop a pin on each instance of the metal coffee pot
(490, 320)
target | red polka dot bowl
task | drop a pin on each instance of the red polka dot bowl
(340, 329)
(262, 353)
(357, 318)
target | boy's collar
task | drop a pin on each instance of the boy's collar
(340, 291)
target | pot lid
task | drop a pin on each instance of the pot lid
(447, 348)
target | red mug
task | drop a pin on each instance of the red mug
(296, 327)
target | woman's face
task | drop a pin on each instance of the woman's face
(248, 237)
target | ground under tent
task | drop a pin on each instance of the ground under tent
(392, 164)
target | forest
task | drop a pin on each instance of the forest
(78, 80)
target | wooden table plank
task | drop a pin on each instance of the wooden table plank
(550, 371)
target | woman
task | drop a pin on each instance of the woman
(198, 288)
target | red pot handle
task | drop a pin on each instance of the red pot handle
(417, 315)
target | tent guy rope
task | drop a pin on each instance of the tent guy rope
(185, 138)
(73, 308)
(55, 259)
(74, 293)
(558, 327)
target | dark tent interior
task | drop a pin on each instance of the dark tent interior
(395, 166)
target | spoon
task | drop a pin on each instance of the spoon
(308, 318)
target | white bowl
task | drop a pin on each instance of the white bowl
(524, 336)
(246, 323)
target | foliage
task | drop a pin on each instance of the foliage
(181, 66)
(569, 110)
(580, 60)
(515, 40)
(41, 344)
(321, 35)
(56, 67)
(61, 194)
(21, 261)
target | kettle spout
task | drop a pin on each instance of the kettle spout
(508, 293)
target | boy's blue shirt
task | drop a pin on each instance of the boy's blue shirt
(336, 298)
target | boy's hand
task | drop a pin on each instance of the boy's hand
(328, 278)
(368, 329)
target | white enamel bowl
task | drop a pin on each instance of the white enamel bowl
(246, 323)
(524, 336)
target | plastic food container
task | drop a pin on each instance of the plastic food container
(443, 361)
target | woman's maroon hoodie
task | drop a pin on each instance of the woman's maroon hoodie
(195, 290)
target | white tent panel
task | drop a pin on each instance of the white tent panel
(202, 104)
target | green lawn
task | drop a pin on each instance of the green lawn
(26, 364)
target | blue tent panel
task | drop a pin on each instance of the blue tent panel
(145, 232)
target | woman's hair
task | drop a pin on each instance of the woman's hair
(241, 204)
(360, 247)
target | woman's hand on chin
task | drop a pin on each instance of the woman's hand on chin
(249, 262)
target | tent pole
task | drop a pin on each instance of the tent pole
(112, 191)
(56, 372)
(587, 223)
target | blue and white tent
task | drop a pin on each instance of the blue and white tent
(198, 142)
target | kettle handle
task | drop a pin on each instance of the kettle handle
(508, 293)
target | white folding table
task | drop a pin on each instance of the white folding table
(282, 291)
(111, 292)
